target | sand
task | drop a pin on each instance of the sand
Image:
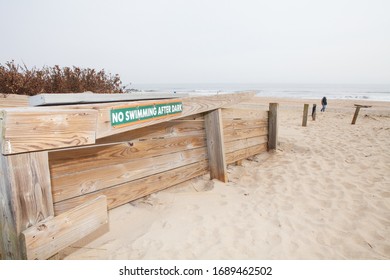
(323, 194)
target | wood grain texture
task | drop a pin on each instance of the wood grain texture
(169, 129)
(80, 183)
(101, 156)
(245, 153)
(234, 134)
(216, 145)
(48, 237)
(124, 193)
(25, 197)
(273, 126)
(237, 112)
(13, 100)
(241, 144)
(232, 124)
(36, 129)
(305, 114)
(191, 106)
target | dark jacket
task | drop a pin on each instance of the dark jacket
(324, 101)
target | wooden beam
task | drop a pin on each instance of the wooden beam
(88, 98)
(48, 237)
(234, 134)
(273, 126)
(216, 145)
(37, 129)
(245, 153)
(191, 106)
(240, 144)
(13, 100)
(169, 129)
(25, 197)
(129, 191)
(305, 113)
(78, 160)
(79, 183)
(238, 112)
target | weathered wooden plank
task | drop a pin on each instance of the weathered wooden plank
(36, 129)
(121, 194)
(235, 134)
(305, 113)
(175, 128)
(273, 125)
(9, 207)
(25, 197)
(191, 106)
(241, 144)
(80, 183)
(244, 113)
(53, 235)
(229, 124)
(215, 145)
(245, 153)
(88, 98)
(79, 160)
(13, 100)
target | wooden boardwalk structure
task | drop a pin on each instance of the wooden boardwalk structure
(63, 166)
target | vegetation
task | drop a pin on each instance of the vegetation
(17, 79)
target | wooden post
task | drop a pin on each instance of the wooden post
(25, 198)
(305, 113)
(215, 145)
(355, 115)
(273, 126)
(313, 112)
(357, 112)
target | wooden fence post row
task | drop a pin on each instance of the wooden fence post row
(35, 223)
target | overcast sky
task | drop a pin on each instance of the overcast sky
(211, 41)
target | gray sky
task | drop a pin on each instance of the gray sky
(197, 41)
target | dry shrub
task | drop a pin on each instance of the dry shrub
(19, 79)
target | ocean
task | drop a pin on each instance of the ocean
(307, 91)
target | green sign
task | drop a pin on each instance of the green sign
(123, 116)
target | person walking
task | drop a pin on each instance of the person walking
(324, 102)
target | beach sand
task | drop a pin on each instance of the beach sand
(324, 193)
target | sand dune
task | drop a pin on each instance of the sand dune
(323, 194)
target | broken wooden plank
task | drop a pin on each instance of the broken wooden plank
(36, 129)
(357, 112)
(48, 237)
